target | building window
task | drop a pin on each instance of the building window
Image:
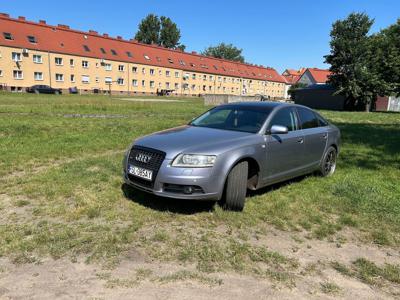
(37, 59)
(71, 62)
(1, 73)
(167, 85)
(86, 48)
(129, 53)
(193, 76)
(85, 79)
(143, 83)
(134, 69)
(58, 61)
(120, 81)
(134, 82)
(170, 61)
(176, 74)
(160, 72)
(121, 68)
(108, 67)
(211, 78)
(72, 78)
(193, 87)
(167, 73)
(85, 64)
(152, 84)
(143, 71)
(113, 52)
(38, 75)
(204, 77)
(8, 36)
(146, 57)
(102, 50)
(32, 39)
(16, 56)
(219, 78)
(17, 74)
(177, 86)
(151, 71)
(108, 80)
(59, 77)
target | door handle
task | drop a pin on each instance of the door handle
(300, 140)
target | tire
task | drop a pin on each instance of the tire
(236, 187)
(328, 163)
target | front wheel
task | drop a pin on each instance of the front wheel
(236, 187)
(328, 163)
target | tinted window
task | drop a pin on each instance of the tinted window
(237, 118)
(321, 121)
(285, 117)
(307, 118)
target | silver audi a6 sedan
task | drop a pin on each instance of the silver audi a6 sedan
(232, 148)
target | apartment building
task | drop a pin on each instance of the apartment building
(37, 53)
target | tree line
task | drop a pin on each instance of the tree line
(364, 65)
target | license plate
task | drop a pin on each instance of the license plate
(140, 172)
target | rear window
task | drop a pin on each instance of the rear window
(307, 118)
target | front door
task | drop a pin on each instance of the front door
(284, 152)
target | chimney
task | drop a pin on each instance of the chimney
(105, 35)
(4, 15)
(21, 18)
(42, 22)
(93, 32)
(63, 26)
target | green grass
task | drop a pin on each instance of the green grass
(60, 164)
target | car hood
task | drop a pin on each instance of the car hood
(190, 139)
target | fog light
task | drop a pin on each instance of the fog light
(187, 190)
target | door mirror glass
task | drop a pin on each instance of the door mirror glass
(278, 129)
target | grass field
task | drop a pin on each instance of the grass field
(61, 192)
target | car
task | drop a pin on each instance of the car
(232, 148)
(43, 89)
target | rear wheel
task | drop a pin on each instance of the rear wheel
(328, 164)
(236, 187)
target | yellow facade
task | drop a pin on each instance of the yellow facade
(20, 69)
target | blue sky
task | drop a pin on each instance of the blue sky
(280, 34)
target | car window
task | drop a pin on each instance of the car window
(237, 118)
(285, 117)
(321, 121)
(307, 118)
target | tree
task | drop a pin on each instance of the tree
(159, 30)
(149, 30)
(386, 58)
(226, 51)
(349, 60)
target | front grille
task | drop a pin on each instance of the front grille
(154, 164)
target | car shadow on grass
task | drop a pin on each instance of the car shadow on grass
(180, 206)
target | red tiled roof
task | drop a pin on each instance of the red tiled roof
(320, 75)
(292, 76)
(62, 39)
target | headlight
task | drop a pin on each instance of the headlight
(194, 161)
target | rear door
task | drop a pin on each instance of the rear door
(284, 152)
(315, 136)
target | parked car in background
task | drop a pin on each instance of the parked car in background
(232, 148)
(43, 89)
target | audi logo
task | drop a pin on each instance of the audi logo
(143, 158)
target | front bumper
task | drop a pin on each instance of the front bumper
(210, 182)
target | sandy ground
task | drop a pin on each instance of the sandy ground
(63, 279)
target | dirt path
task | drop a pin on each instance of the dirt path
(138, 277)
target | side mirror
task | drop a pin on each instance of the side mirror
(278, 129)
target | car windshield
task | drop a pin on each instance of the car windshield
(238, 118)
